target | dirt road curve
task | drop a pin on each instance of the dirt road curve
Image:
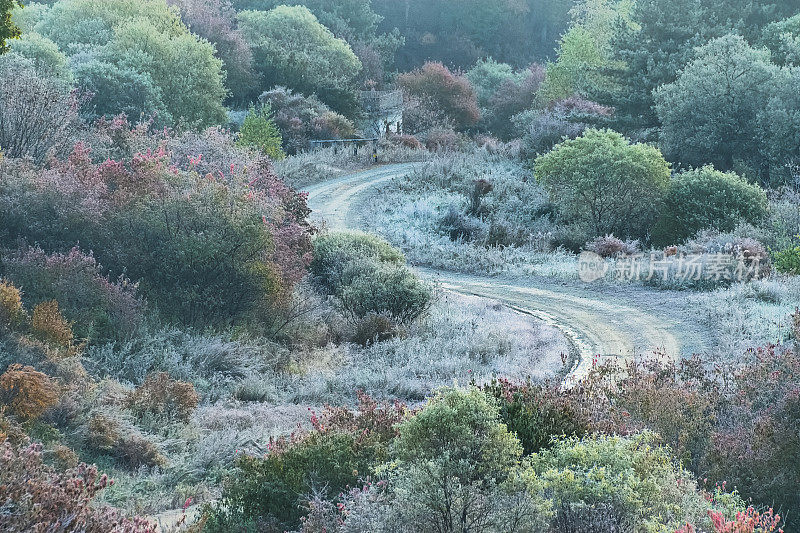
(596, 324)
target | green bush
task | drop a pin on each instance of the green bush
(270, 489)
(788, 261)
(455, 469)
(368, 276)
(538, 413)
(629, 484)
(260, 131)
(200, 257)
(603, 181)
(707, 198)
(271, 493)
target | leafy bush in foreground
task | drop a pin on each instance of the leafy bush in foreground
(269, 493)
(368, 276)
(602, 180)
(454, 469)
(39, 499)
(630, 482)
(707, 198)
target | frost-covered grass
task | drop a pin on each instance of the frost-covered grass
(263, 390)
(462, 339)
(511, 233)
(748, 315)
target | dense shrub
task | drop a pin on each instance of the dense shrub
(206, 249)
(788, 261)
(542, 129)
(333, 251)
(367, 275)
(602, 180)
(104, 434)
(163, 397)
(754, 446)
(627, 484)
(610, 246)
(539, 413)
(37, 498)
(100, 309)
(438, 482)
(259, 131)
(27, 392)
(386, 289)
(433, 86)
(460, 226)
(707, 198)
(374, 328)
(409, 141)
(442, 140)
(12, 314)
(512, 98)
(50, 326)
(270, 492)
(305, 118)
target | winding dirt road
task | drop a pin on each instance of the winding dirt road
(597, 325)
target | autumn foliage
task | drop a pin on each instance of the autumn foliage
(27, 392)
(435, 86)
(38, 499)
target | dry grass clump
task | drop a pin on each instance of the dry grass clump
(50, 326)
(164, 397)
(12, 314)
(27, 392)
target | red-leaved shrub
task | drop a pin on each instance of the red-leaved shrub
(435, 87)
(38, 499)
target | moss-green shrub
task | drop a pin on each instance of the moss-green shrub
(260, 131)
(788, 261)
(368, 276)
(604, 181)
(333, 251)
(628, 483)
(707, 198)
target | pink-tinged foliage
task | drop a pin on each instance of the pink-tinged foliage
(102, 309)
(215, 20)
(748, 521)
(435, 85)
(756, 445)
(38, 499)
(288, 223)
(172, 228)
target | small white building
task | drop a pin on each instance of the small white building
(383, 113)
